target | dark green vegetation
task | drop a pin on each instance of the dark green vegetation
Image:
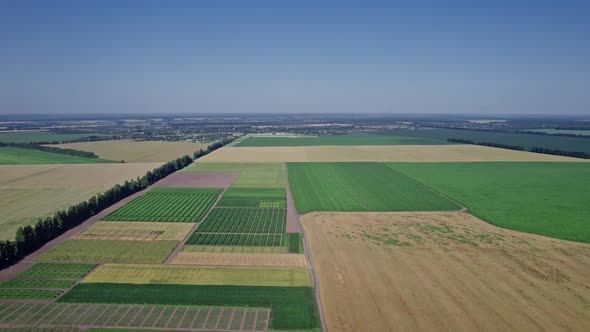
(168, 204)
(43, 137)
(337, 140)
(58, 271)
(295, 243)
(549, 199)
(359, 187)
(292, 307)
(250, 197)
(29, 294)
(528, 141)
(35, 283)
(241, 227)
(18, 156)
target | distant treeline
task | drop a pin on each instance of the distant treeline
(583, 155)
(30, 238)
(71, 152)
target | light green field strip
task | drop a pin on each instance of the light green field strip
(194, 275)
(136, 231)
(18, 156)
(252, 175)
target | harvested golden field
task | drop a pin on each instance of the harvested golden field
(199, 275)
(134, 151)
(136, 231)
(446, 272)
(400, 153)
(239, 259)
(31, 191)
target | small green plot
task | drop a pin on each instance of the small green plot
(57, 270)
(24, 283)
(28, 294)
(168, 205)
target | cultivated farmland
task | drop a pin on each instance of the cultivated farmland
(19, 156)
(137, 151)
(193, 275)
(31, 191)
(40, 137)
(360, 187)
(252, 175)
(57, 271)
(168, 204)
(136, 231)
(542, 198)
(385, 271)
(238, 259)
(337, 140)
(110, 251)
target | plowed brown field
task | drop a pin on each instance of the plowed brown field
(445, 272)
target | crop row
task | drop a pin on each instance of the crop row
(166, 206)
(36, 283)
(260, 193)
(224, 239)
(238, 220)
(253, 203)
(29, 294)
(60, 271)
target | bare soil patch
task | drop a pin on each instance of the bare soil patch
(445, 271)
(133, 151)
(239, 259)
(199, 180)
(393, 153)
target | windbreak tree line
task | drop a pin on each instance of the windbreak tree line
(30, 238)
(36, 146)
(582, 155)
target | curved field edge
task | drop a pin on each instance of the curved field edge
(292, 307)
(360, 186)
(549, 199)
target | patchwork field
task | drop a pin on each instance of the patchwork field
(31, 191)
(17, 156)
(136, 231)
(110, 251)
(137, 151)
(193, 275)
(40, 137)
(57, 317)
(239, 259)
(337, 140)
(57, 271)
(543, 198)
(446, 272)
(168, 204)
(292, 307)
(359, 187)
(374, 153)
(259, 175)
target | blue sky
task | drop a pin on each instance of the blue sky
(295, 56)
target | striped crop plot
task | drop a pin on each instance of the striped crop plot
(136, 231)
(57, 271)
(168, 204)
(245, 217)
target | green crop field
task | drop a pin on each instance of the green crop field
(35, 283)
(528, 141)
(254, 197)
(359, 187)
(199, 275)
(549, 199)
(110, 251)
(561, 131)
(336, 140)
(292, 307)
(41, 137)
(168, 204)
(17, 156)
(252, 175)
(29, 294)
(241, 227)
(58, 271)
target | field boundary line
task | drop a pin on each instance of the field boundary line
(178, 248)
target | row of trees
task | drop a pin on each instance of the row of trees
(30, 238)
(71, 152)
(583, 155)
(495, 145)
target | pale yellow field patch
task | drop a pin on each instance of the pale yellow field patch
(31, 191)
(137, 151)
(239, 259)
(376, 153)
(199, 275)
(136, 231)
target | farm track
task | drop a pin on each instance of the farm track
(308, 256)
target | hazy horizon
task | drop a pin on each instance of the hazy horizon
(374, 57)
